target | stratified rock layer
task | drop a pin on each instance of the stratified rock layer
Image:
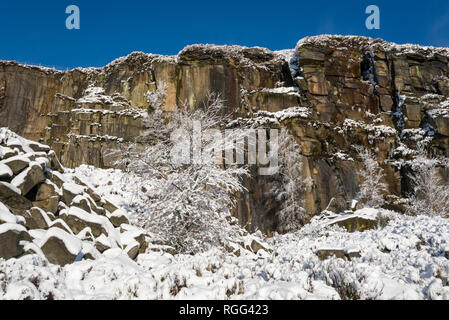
(357, 92)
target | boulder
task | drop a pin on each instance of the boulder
(60, 247)
(56, 178)
(356, 205)
(102, 243)
(82, 203)
(86, 235)
(12, 198)
(38, 147)
(256, 246)
(54, 162)
(29, 178)
(5, 172)
(108, 205)
(46, 190)
(130, 234)
(356, 223)
(78, 219)
(39, 219)
(118, 217)
(324, 254)
(10, 237)
(17, 163)
(49, 205)
(336, 205)
(6, 153)
(353, 254)
(132, 250)
(94, 207)
(70, 191)
(61, 224)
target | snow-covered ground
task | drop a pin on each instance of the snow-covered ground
(403, 259)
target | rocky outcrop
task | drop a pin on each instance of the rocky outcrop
(51, 213)
(354, 91)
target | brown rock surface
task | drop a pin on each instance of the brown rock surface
(358, 91)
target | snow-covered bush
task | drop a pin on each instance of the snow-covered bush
(431, 192)
(188, 204)
(372, 186)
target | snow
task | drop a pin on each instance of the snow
(364, 43)
(5, 227)
(262, 117)
(294, 272)
(403, 260)
(8, 217)
(96, 95)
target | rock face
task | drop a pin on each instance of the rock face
(357, 92)
(43, 211)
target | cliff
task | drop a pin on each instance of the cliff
(357, 92)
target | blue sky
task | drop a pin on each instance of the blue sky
(34, 31)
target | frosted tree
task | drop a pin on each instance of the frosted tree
(290, 191)
(431, 192)
(372, 186)
(187, 202)
(156, 99)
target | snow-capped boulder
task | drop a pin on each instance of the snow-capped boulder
(70, 191)
(78, 219)
(5, 172)
(102, 243)
(61, 224)
(47, 190)
(6, 153)
(132, 249)
(81, 202)
(56, 178)
(17, 163)
(60, 247)
(39, 219)
(346, 254)
(13, 199)
(361, 220)
(324, 254)
(7, 217)
(29, 178)
(257, 245)
(10, 237)
(58, 211)
(118, 217)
